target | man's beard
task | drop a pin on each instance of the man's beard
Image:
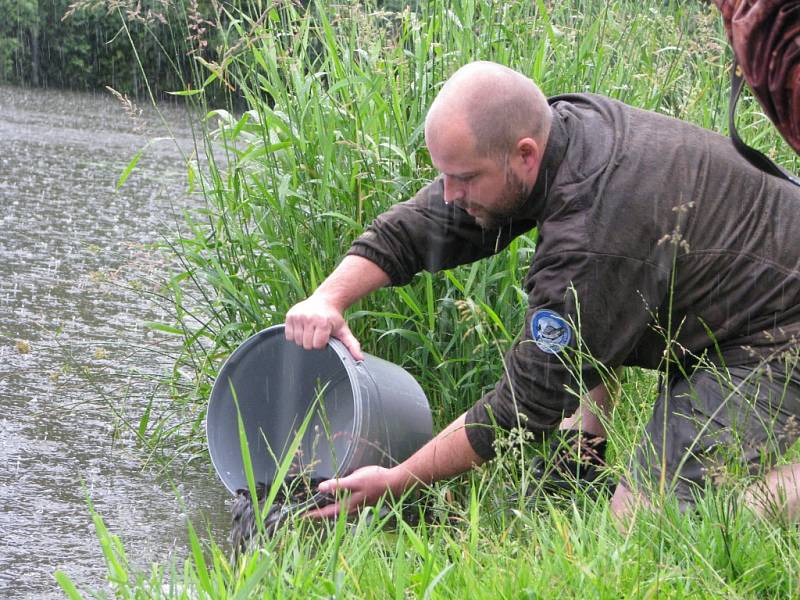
(512, 200)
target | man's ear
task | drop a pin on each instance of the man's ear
(529, 152)
(530, 155)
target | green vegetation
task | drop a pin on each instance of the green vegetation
(332, 136)
(484, 552)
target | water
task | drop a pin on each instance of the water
(70, 249)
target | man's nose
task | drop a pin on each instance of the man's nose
(453, 190)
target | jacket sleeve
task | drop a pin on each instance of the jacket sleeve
(424, 233)
(582, 312)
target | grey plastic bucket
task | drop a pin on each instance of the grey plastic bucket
(371, 412)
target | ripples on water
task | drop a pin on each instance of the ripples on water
(69, 244)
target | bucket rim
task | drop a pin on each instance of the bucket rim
(350, 368)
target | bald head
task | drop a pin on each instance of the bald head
(495, 104)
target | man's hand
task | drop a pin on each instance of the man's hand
(313, 321)
(365, 486)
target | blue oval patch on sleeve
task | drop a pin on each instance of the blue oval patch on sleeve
(550, 331)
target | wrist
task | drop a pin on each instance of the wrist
(330, 298)
(399, 480)
(354, 278)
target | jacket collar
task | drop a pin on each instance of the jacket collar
(554, 153)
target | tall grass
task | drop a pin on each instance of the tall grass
(332, 136)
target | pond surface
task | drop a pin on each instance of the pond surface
(71, 249)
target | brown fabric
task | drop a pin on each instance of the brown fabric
(704, 423)
(765, 36)
(629, 204)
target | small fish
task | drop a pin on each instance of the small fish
(244, 528)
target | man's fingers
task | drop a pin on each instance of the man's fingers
(321, 335)
(350, 342)
(326, 512)
(288, 330)
(308, 336)
(311, 323)
(330, 486)
(297, 332)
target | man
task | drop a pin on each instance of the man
(658, 247)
